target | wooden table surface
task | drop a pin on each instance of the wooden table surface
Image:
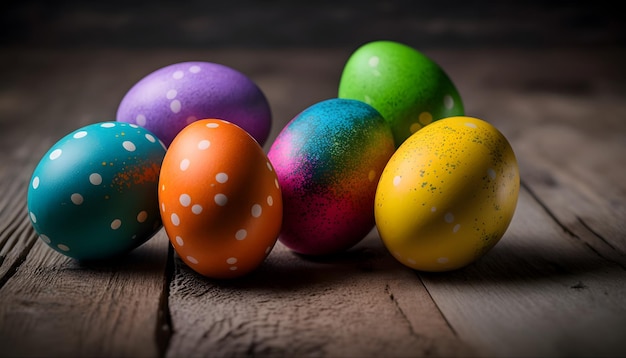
(554, 286)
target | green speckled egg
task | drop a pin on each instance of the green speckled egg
(409, 89)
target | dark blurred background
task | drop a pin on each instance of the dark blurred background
(322, 23)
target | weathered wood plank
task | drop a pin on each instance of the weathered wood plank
(554, 286)
(537, 293)
(563, 112)
(16, 234)
(56, 306)
(51, 305)
(358, 304)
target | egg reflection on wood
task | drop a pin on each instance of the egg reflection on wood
(328, 160)
(93, 194)
(447, 195)
(220, 199)
(408, 88)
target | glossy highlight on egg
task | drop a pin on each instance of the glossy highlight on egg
(93, 195)
(448, 194)
(220, 199)
(170, 98)
(328, 160)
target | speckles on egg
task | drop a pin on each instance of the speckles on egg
(229, 224)
(405, 86)
(328, 160)
(448, 192)
(170, 98)
(97, 182)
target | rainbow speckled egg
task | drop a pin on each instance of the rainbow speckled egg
(93, 195)
(328, 160)
(170, 98)
(408, 88)
(220, 199)
(447, 195)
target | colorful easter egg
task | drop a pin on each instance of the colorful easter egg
(93, 195)
(447, 195)
(408, 88)
(220, 199)
(170, 98)
(328, 160)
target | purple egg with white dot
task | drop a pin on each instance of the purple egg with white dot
(172, 97)
(94, 194)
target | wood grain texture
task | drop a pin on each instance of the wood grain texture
(55, 306)
(540, 292)
(554, 286)
(361, 303)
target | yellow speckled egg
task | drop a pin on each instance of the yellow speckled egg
(447, 195)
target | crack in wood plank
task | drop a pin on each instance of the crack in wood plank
(602, 238)
(163, 328)
(567, 230)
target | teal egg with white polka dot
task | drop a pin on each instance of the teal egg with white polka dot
(409, 89)
(94, 194)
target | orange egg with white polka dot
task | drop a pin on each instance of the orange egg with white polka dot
(220, 200)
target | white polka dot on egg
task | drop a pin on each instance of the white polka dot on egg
(115, 224)
(80, 134)
(184, 164)
(221, 178)
(55, 154)
(203, 144)
(241, 234)
(171, 94)
(175, 219)
(175, 106)
(95, 178)
(221, 199)
(256, 210)
(141, 120)
(142, 216)
(129, 146)
(185, 200)
(63, 247)
(76, 198)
